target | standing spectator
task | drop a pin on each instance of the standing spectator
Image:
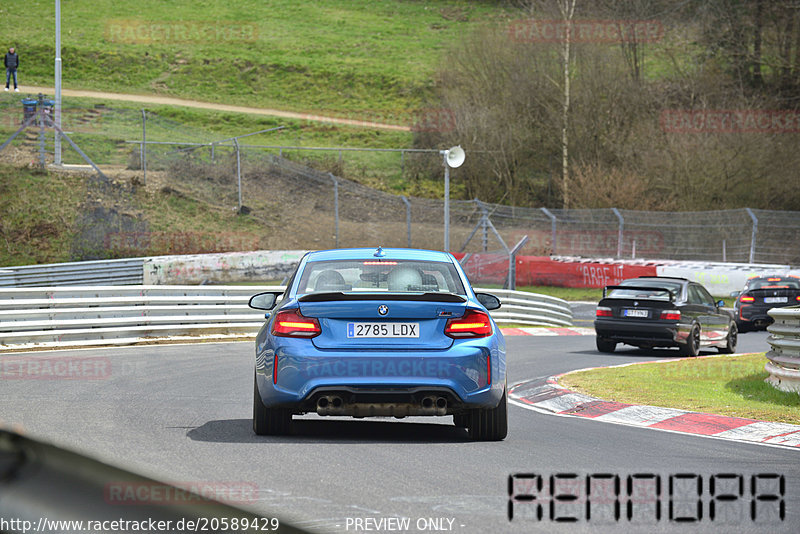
(11, 62)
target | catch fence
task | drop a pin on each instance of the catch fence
(300, 197)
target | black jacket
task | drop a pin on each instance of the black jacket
(11, 60)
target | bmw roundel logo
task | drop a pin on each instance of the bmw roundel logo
(383, 309)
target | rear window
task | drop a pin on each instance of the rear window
(397, 276)
(638, 290)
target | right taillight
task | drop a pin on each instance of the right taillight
(472, 324)
(745, 298)
(290, 323)
(602, 311)
(671, 315)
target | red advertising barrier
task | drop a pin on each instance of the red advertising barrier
(545, 271)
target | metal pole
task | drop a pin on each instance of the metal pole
(512, 263)
(238, 171)
(56, 134)
(446, 205)
(633, 250)
(408, 219)
(77, 148)
(25, 124)
(621, 228)
(552, 229)
(335, 206)
(753, 238)
(39, 114)
(484, 226)
(724, 251)
(144, 147)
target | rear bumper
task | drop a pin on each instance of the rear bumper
(750, 313)
(632, 332)
(458, 374)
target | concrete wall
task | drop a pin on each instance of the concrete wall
(228, 267)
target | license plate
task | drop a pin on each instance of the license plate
(774, 300)
(636, 313)
(359, 330)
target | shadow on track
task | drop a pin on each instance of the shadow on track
(332, 431)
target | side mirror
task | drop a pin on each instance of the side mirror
(264, 301)
(490, 302)
(720, 304)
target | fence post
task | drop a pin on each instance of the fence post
(39, 113)
(143, 154)
(553, 230)
(408, 219)
(512, 263)
(335, 206)
(484, 225)
(238, 172)
(621, 227)
(753, 238)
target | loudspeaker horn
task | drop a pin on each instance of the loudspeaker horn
(455, 157)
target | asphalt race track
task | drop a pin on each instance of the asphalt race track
(181, 413)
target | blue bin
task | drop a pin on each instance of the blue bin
(28, 108)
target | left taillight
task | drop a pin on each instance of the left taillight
(472, 324)
(603, 311)
(289, 323)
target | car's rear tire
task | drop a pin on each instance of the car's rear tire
(742, 327)
(461, 420)
(605, 345)
(692, 345)
(269, 421)
(730, 339)
(489, 424)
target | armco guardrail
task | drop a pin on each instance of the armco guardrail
(530, 308)
(116, 315)
(783, 363)
(80, 273)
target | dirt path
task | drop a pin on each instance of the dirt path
(169, 101)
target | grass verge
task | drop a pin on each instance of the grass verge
(724, 385)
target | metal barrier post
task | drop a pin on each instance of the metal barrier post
(553, 230)
(512, 263)
(408, 219)
(335, 205)
(143, 153)
(753, 236)
(238, 171)
(621, 227)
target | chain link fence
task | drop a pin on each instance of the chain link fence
(301, 201)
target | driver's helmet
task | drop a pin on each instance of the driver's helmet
(404, 278)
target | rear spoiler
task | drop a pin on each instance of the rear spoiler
(338, 295)
(646, 288)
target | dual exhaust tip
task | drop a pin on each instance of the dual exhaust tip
(335, 405)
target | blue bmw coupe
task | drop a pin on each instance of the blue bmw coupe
(380, 332)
